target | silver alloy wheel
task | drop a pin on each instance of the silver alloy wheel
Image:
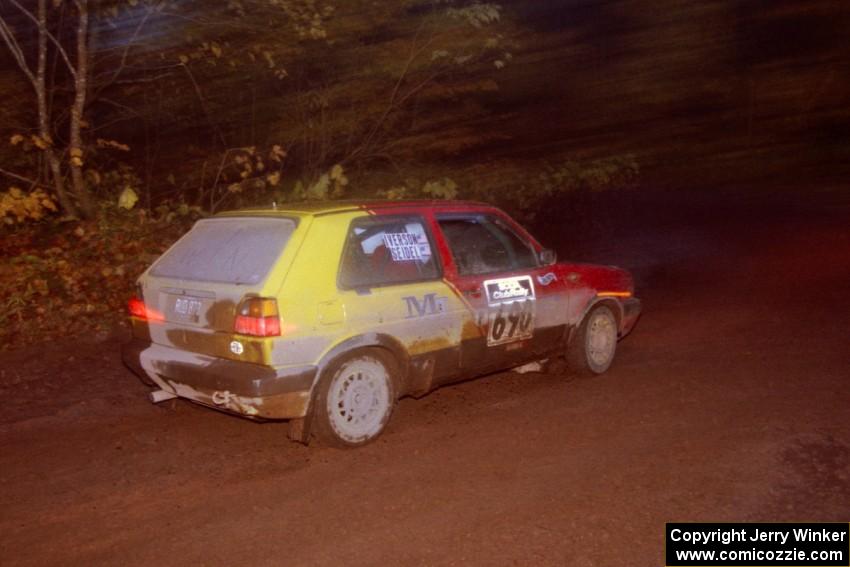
(359, 399)
(601, 339)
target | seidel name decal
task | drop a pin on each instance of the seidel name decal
(407, 247)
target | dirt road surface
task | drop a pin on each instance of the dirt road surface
(729, 402)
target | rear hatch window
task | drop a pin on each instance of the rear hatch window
(227, 250)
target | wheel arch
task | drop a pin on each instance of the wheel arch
(610, 302)
(390, 345)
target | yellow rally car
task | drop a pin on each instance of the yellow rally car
(326, 314)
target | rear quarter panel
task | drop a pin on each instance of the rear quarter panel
(312, 316)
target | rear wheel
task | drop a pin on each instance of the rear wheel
(355, 399)
(592, 349)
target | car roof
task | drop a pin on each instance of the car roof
(317, 208)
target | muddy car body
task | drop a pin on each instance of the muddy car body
(327, 314)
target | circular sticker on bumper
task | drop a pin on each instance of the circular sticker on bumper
(236, 347)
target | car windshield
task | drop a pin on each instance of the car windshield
(227, 250)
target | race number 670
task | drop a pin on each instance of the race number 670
(512, 321)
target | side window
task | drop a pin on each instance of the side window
(387, 250)
(482, 244)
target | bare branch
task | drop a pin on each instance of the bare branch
(153, 79)
(13, 175)
(123, 63)
(393, 102)
(232, 23)
(117, 104)
(419, 86)
(50, 36)
(129, 114)
(204, 104)
(12, 43)
(114, 121)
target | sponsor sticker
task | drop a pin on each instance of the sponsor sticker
(509, 289)
(510, 309)
(546, 278)
(430, 304)
(407, 247)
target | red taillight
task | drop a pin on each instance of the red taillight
(258, 317)
(137, 308)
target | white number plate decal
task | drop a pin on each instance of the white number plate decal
(510, 307)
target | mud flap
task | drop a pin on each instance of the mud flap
(299, 430)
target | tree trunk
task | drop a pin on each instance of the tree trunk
(53, 163)
(38, 82)
(59, 184)
(80, 87)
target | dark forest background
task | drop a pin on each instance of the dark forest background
(123, 121)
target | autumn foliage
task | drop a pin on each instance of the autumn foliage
(75, 277)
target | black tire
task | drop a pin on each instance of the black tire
(354, 399)
(592, 349)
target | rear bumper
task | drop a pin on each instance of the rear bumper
(631, 312)
(247, 389)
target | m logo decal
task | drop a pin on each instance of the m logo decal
(429, 305)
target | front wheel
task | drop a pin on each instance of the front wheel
(592, 349)
(355, 400)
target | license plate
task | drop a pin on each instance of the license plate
(188, 309)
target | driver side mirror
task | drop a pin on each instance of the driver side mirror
(547, 257)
